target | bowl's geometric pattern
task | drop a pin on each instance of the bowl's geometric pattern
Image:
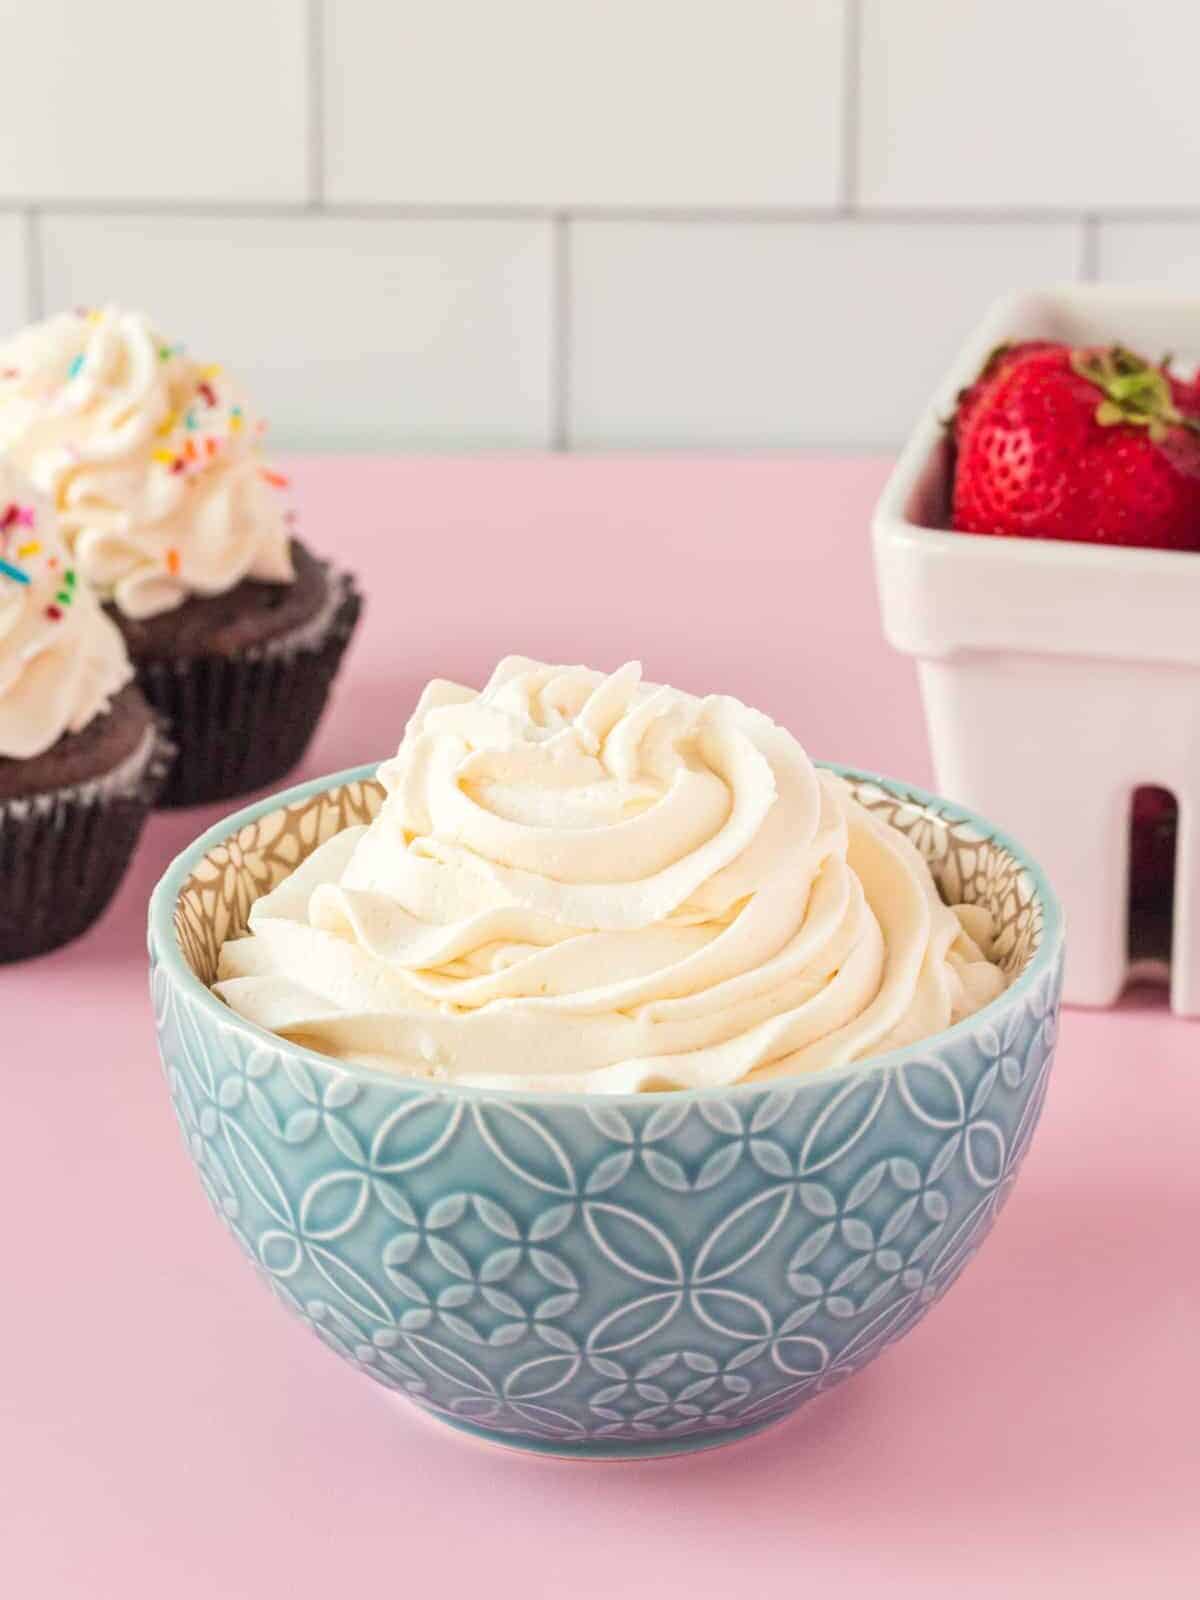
(626, 1273)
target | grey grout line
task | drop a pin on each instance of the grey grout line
(560, 336)
(560, 220)
(1089, 249)
(1135, 213)
(35, 285)
(300, 210)
(315, 47)
(851, 103)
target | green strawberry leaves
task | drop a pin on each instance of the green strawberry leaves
(1134, 392)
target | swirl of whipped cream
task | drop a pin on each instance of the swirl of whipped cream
(589, 882)
(150, 458)
(61, 659)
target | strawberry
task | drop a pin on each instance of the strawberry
(1003, 356)
(1152, 864)
(1094, 445)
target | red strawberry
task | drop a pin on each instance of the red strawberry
(1152, 865)
(1090, 445)
(1001, 357)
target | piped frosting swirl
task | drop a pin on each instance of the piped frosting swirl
(61, 659)
(150, 458)
(580, 881)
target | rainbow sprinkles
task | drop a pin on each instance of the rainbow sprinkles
(151, 459)
(18, 516)
(205, 411)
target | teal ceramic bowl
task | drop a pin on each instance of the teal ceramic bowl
(622, 1275)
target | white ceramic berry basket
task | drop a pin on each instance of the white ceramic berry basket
(1056, 677)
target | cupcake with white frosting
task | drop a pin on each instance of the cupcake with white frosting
(152, 460)
(580, 881)
(82, 755)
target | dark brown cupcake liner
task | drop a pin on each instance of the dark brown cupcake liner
(243, 722)
(63, 853)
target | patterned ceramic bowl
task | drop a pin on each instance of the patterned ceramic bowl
(621, 1275)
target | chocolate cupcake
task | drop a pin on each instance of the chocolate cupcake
(234, 628)
(82, 755)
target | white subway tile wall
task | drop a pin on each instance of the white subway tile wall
(14, 270)
(1166, 253)
(590, 224)
(345, 331)
(1061, 104)
(762, 333)
(556, 103)
(124, 100)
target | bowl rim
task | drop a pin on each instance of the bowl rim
(165, 950)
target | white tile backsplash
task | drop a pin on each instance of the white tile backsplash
(1073, 104)
(1164, 253)
(136, 100)
(563, 103)
(777, 333)
(14, 270)
(373, 332)
(626, 222)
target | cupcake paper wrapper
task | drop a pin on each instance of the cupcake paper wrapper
(63, 853)
(240, 723)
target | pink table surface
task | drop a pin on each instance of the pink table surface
(165, 1430)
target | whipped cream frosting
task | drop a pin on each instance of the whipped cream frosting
(61, 658)
(150, 458)
(580, 881)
